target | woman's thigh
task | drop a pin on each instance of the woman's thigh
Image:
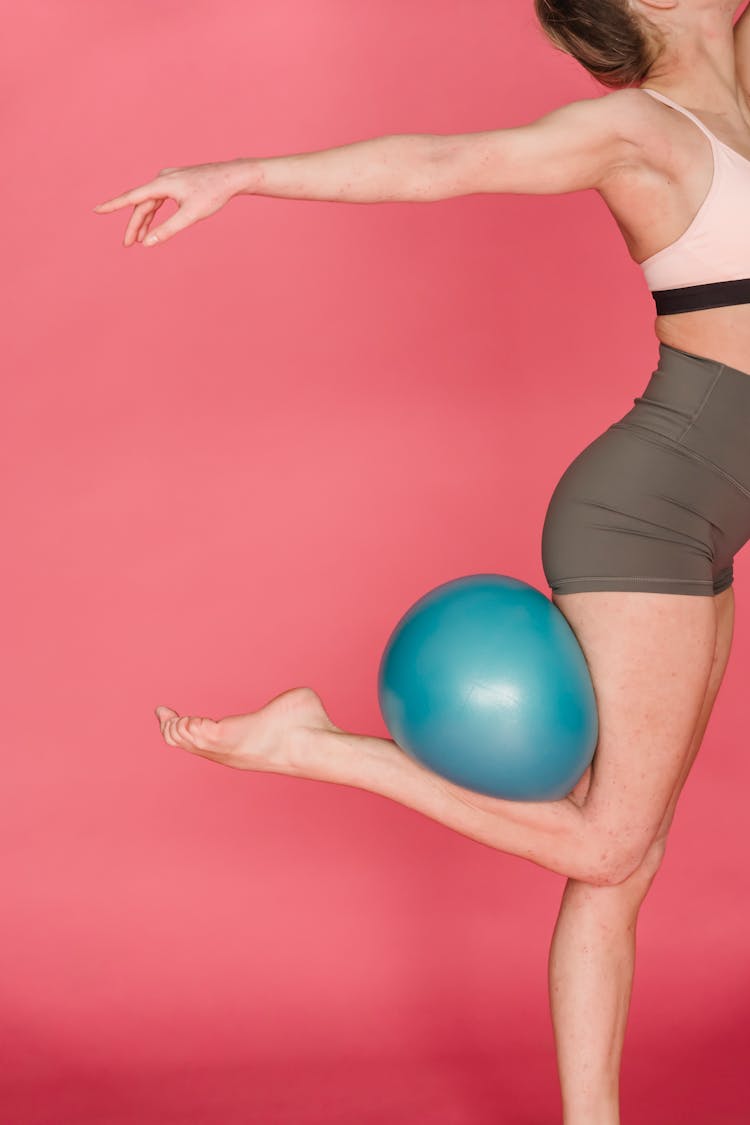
(650, 657)
(638, 546)
(724, 603)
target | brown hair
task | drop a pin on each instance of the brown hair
(605, 36)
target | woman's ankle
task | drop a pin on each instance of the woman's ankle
(604, 1110)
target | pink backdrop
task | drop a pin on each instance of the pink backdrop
(231, 463)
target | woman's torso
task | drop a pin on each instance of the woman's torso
(654, 201)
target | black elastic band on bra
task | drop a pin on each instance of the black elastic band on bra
(692, 298)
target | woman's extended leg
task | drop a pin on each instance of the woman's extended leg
(592, 955)
(649, 656)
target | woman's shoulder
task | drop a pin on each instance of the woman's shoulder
(650, 126)
(638, 116)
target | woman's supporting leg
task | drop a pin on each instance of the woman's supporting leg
(649, 656)
(591, 965)
(592, 955)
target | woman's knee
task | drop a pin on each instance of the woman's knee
(637, 875)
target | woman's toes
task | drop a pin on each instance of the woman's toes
(181, 732)
(188, 732)
(166, 733)
(191, 729)
(192, 732)
(165, 715)
(204, 733)
(171, 733)
(180, 729)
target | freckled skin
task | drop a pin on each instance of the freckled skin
(657, 664)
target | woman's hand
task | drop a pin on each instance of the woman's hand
(199, 189)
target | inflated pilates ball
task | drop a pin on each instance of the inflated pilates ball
(484, 682)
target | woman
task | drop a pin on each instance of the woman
(641, 530)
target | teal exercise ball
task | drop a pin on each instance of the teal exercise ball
(484, 682)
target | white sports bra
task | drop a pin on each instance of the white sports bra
(708, 266)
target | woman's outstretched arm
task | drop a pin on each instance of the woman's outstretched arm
(574, 147)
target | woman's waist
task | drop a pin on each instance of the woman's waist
(721, 334)
(699, 405)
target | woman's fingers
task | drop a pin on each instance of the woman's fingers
(135, 195)
(198, 190)
(153, 189)
(140, 213)
(148, 218)
(181, 219)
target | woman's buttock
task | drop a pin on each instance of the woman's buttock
(661, 500)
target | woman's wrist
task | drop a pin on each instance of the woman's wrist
(246, 175)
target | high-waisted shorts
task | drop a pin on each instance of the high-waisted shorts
(660, 501)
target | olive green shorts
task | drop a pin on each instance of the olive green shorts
(660, 501)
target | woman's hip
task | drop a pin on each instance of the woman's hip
(700, 407)
(661, 499)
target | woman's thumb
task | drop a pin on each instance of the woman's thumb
(174, 223)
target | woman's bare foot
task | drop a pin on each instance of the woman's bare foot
(267, 739)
